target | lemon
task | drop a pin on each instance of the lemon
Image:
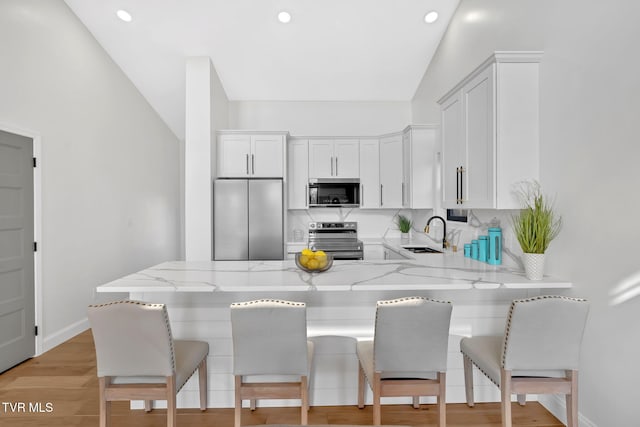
(320, 253)
(313, 264)
(303, 260)
(322, 262)
(307, 252)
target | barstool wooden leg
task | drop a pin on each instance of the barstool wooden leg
(572, 400)
(361, 386)
(202, 384)
(238, 401)
(468, 379)
(105, 406)
(377, 416)
(148, 405)
(442, 399)
(171, 401)
(304, 394)
(505, 393)
(416, 402)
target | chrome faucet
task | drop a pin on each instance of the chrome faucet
(444, 235)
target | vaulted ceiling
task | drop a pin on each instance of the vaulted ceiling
(331, 50)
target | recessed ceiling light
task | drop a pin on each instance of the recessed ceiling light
(284, 17)
(124, 15)
(431, 17)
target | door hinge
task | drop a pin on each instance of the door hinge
(35, 162)
(36, 330)
(35, 246)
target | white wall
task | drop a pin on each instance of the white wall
(110, 192)
(321, 118)
(590, 95)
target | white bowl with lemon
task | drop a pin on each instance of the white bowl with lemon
(313, 262)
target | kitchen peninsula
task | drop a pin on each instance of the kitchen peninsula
(340, 309)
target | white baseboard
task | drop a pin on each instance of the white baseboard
(557, 406)
(63, 335)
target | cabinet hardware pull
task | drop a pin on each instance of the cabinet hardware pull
(306, 196)
(381, 203)
(336, 165)
(247, 157)
(253, 165)
(331, 165)
(461, 185)
(457, 186)
(361, 194)
(403, 194)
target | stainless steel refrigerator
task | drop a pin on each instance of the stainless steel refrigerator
(248, 218)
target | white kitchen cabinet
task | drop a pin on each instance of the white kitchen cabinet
(334, 158)
(418, 166)
(297, 173)
(250, 155)
(391, 176)
(369, 174)
(490, 132)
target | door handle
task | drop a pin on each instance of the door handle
(306, 196)
(253, 165)
(247, 157)
(461, 185)
(381, 204)
(336, 165)
(403, 194)
(361, 194)
(457, 186)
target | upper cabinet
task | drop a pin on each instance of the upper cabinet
(418, 166)
(369, 174)
(391, 175)
(490, 128)
(334, 158)
(298, 173)
(250, 155)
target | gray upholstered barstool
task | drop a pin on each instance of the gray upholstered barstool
(408, 354)
(270, 339)
(538, 353)
(138, 358)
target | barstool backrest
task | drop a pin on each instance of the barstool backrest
(544, 333)
(411, 335)
(132, 339)
(269, 338)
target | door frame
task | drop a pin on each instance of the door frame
(37, 226)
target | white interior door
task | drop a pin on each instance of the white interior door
(17, 304)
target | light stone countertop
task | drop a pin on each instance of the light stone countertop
(430, 272)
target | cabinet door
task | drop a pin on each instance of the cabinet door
(298, 173)
(406, 169)
(234, 156)
(391, 172)
(346, 158)
(267, 156)
(479, 175)
(453, 150)
(369, 174)
(321, 158)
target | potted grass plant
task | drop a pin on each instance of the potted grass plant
(404, 224)
(535, 227)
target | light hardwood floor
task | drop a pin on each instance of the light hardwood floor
(65, 378)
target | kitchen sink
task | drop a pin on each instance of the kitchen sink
(421, 249)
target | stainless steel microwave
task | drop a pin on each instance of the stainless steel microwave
(334, 193)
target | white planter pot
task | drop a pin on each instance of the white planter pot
(533, 266)
(404, 237)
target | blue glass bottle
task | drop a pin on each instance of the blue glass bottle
(495, 246)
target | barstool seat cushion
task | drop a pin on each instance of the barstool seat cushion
(188, 355)
(486, 354)
(364, 350)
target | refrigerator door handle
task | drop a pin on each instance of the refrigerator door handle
(247, 157)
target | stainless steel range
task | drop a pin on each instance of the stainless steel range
(339, 239)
